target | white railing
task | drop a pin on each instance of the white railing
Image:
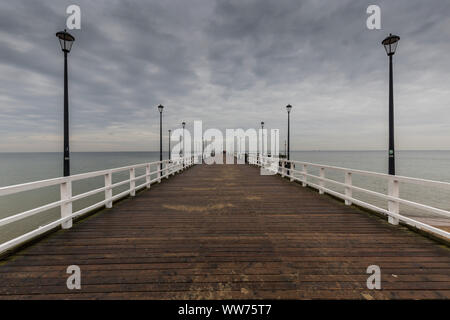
(393, 182)
(164, 169)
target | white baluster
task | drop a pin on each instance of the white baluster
(305, 178)
(167, 167)
(321, 182)
(160, 168)
(66, 208)
(348, 189)
(147, 176)
(393, 206)
(132, 182)
(108, 190)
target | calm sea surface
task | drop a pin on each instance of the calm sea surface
(16, 168)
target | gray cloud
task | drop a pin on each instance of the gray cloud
(228, 63)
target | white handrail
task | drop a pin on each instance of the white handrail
(169, 167)
(393, 197)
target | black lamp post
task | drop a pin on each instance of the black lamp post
(289, 108)
(66, 40)
(160, 108)
(262, 141)
(183, 124)
(390, 44)
(170, 151)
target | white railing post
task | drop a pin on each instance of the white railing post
(147, 176)
(66, 208)
(393, 206)
(291, 173)
(283, 170)
(160, 168)
(167, 172)
(132, 182)
(108, 190)
(348, 189)
(305, 178)
(321, 182)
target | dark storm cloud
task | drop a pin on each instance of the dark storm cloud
(228, 63)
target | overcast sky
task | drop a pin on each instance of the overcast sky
(231, 64)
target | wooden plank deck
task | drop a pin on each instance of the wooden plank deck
(224, 231)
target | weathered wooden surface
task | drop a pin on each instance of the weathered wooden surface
(224, 231)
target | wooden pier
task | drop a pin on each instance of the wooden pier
(226, 232)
